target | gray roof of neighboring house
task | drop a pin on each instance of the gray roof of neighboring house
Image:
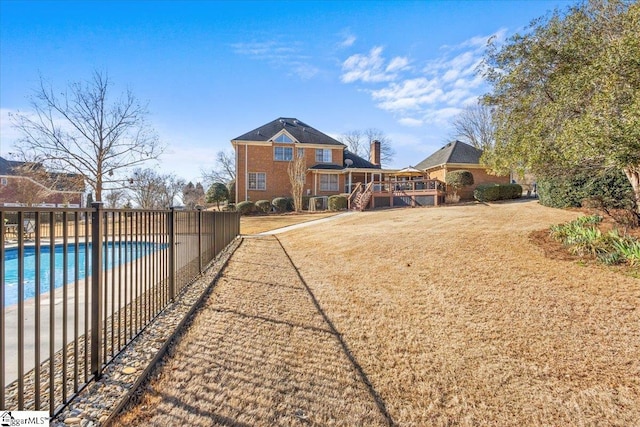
(302, 132)
(6, 166)
(453, 152)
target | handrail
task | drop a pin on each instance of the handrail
(353, 194)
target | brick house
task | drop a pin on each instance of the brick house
(458, 155)
(24, 183)
(263, 155)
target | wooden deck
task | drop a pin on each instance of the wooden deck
(379, 194)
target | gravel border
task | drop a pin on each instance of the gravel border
(99, 402)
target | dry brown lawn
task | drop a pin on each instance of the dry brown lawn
(447, 316)
(261, 223)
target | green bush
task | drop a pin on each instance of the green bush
(280, 204)
(487, 192)
(305, 203)
(231, 207)
(458, 179)
(337, 203)
(246, 207)
(609, 189)
(263, 206)
(290, 204)
(510, 191)
(493, 192)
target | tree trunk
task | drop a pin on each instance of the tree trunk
(633, 174)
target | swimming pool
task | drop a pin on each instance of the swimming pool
(115, 253)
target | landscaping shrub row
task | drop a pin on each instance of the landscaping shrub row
(582, 237)
(493, 192)
(284, 204)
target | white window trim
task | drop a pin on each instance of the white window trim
(257, 181)
(324, 150)
(329, 185)
(284, 159)
(287, 134)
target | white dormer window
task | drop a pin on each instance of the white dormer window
(283, 138)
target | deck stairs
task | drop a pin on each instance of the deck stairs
(362, 197)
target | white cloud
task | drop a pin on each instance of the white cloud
(348, 41)
(370, 68)
(280, 55)
(411, 122)
(429, 94)
(398, 63)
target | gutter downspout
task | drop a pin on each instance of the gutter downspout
(246, 172)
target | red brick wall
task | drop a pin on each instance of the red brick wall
(260, 158)
(480, 176)
(9, 194)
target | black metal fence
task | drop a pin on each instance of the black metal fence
(77, 285)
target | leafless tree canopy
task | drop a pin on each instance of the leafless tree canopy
(193, 195)
(83, 130)
(224, 170)
(297, 171)
(151, 190)
(359, 143)
(475, 125)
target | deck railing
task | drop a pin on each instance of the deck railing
(77, 285)
(417, 185)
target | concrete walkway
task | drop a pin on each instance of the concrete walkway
(305, 224)
(261, 352)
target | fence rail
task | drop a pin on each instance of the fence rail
(77, 285)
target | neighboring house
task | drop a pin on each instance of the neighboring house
(263, 154)
(29, 184)
(458, 155)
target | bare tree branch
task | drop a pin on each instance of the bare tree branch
(224, 170)
(84, 132)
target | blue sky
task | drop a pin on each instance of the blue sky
(212, 70)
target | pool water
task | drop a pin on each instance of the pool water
(112, 251)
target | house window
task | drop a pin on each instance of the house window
(323, 155)
(328, 182)
(300, 152)
(257, 181)
(283, 138)
(3, 181)
(283, 153)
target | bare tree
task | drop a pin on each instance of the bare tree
(193, 195)
(82, 130)
(114, 198)
(475, 124)
(224, 170)
(297, 171)
(152, 190)
(359, 143)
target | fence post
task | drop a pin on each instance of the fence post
(172, 253)
(199, 208)
(96, 288)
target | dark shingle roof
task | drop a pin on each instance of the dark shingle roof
(326, 166)
(302, 132)
(453, 152)
(6, 166)
(358, 162)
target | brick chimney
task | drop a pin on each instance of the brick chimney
(374, 153)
